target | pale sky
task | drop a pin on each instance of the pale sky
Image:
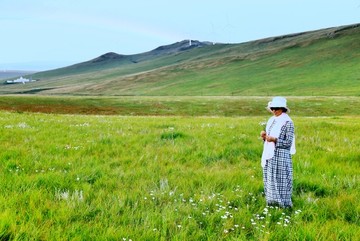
(48, 34)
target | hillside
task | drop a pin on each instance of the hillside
(322, 62)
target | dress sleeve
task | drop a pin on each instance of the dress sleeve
(286, 136)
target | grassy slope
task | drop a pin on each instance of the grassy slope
(323, 68)
(315, 63)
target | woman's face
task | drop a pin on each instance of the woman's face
(276, 111)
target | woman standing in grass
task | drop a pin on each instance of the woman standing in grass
(279, 145)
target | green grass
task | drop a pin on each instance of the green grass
(84, 177)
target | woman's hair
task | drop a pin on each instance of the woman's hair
(279, 108)
(283, 109)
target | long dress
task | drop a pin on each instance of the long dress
(278, 171)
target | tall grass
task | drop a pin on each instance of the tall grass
(171, 178)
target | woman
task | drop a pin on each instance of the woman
(279, 145)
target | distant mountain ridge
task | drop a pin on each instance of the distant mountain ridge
(111, 60)
(180, 46)
(107, 56)
(159, 51)
(321, 62)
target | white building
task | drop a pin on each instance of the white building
(19, 80)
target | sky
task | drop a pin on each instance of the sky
(47, 34)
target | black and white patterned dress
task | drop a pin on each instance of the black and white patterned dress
(278, 171)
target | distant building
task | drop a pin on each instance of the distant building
(19, 81)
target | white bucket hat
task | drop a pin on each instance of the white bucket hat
(278, 101)
(268, 107)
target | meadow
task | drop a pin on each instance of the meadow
(122, 177)
(165, 145)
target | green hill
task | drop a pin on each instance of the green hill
(323, 62)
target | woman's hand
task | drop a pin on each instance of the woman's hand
(263, 135)
(271, 139)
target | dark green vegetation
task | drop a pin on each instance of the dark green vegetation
(178, 105)
(323, 62)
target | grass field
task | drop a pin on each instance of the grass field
(107, 177)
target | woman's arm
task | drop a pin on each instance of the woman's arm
(286, 136)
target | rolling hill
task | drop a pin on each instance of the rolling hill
(323, 62)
